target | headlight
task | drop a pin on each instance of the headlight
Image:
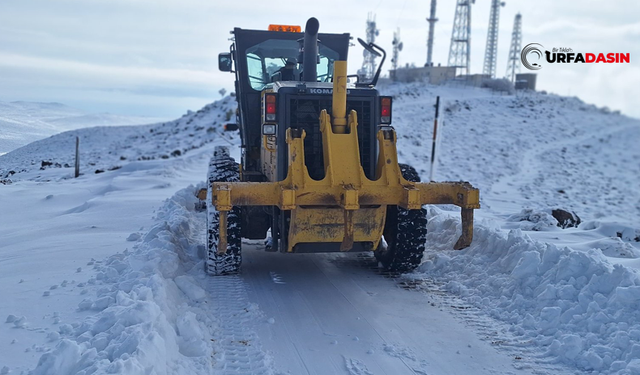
(269, 129)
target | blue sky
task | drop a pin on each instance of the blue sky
(159, 58)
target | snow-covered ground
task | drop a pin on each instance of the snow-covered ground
(24, 122)
(103, 274)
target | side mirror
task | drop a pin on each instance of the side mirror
(225, 63)
(377, 51)
(368, 47)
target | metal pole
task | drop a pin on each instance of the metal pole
(77, 157)
(433, 143)
(432, 21)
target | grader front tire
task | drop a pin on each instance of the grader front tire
(405, 234)
(223, 168)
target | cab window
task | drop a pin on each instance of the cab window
(276, 59)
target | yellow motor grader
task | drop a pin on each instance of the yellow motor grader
(319, 162)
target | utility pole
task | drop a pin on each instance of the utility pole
(491, 50)
(459, 50)
(432, 23)
(513, 65)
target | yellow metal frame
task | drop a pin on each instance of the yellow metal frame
(345, 206)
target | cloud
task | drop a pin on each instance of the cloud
(164, 51)
(87, 74)
(111, 88)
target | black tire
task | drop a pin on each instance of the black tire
(405, 234)
(223, 168)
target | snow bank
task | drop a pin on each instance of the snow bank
(582, 309)
(144, 317)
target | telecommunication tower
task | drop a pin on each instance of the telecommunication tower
(432, 21)
(513, 65)
(369, 62)
(491, 51)
(459, 49)
(397, 47)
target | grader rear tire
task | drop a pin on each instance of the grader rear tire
(223, 168)
(405, 234)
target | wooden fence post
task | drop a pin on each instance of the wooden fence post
(77, 157)
(435, 134)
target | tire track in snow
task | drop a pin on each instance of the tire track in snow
(238, 348)
(526, 353)
(368, 261)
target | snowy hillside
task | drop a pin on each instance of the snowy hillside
(103, 274)
(537, 150)
(25, 122)
(109, 148)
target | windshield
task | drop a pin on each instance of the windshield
(277, 60)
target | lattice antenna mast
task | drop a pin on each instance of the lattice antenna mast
(397, 47)
(369, 62)
(432, 23)
(491, 51)
(513, 65)
(459, 51)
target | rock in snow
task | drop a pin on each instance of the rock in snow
(565, 218)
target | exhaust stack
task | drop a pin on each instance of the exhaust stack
(310, 51)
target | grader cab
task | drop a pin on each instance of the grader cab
(319, 162)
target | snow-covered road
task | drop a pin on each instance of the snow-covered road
(324, 313)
